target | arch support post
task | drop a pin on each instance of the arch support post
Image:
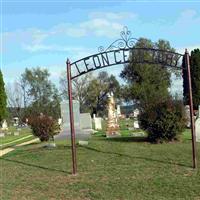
(194, 156)
(73, 145)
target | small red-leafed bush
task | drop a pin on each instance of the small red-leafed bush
(44, 127)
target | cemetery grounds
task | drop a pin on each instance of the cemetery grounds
(116, 168)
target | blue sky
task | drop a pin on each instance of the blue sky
(46, 33)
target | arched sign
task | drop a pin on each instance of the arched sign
(122, 56)
(119, 52)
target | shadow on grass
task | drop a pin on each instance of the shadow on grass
(37, 166)
(127, 139)
(134, 157)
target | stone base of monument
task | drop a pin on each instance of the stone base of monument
(112, 132)
(50, 145)
(82, 142)
(84, 134)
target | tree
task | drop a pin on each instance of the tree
(15, 99)
(42, 92)
(3, 99)
(195, 78)
(147, 83)
(79, 89)
(91, 91)
(97, 91)
(164, 121)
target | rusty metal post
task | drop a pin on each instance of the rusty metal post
(73, 145)
(187, 62)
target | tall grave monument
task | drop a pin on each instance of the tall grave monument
(81, 122)
(112, 123)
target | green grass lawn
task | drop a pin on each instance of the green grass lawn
(107, 169)
(10, 138)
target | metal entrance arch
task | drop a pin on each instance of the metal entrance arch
(118, 53)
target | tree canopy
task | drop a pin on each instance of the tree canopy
(97, 91)
(147, 83)
(42, 93)
(3, 99)
(91, 91)
(195, 78)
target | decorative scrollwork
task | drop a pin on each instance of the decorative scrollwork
(126, 41)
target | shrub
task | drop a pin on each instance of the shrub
(163, 121)
(44, 127)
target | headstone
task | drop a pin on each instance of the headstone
(197, 126)
(9, 133)
(136, 112)
(2, 134)
(98, 123)
(4, 125)
(118, 111)
(138, 134)
(65, 126)
(65, 114)
(16, 121)
(112, 123)
(50, 145)
(16, 133)
(187, 115)
(85, 121)
(81, 142)
(136, 124)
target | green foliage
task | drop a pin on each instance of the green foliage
(97, 90)
(44, 127)
(3, 99)
(146, 83)
(42, 93)
(195, 78)
(91, 91)
(163, 121)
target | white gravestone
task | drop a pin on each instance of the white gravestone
(65, 114)
(2, 134)
(16, 121)
(16, 133)
(187, 115)
(136, 124)
(85, 121)
(97, 123)
(65, 126)
(118, 111)
(4, 125)
(197, 126)
(136, 112)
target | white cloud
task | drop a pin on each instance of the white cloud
(113, 15)
(99, 24)
(41, 47)
(189, 48)
(186, 22)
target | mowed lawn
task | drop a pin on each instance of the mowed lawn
(9, 140)
(107, 169)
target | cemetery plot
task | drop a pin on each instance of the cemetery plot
(82, 122)
(14, 134)
(107, 170)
